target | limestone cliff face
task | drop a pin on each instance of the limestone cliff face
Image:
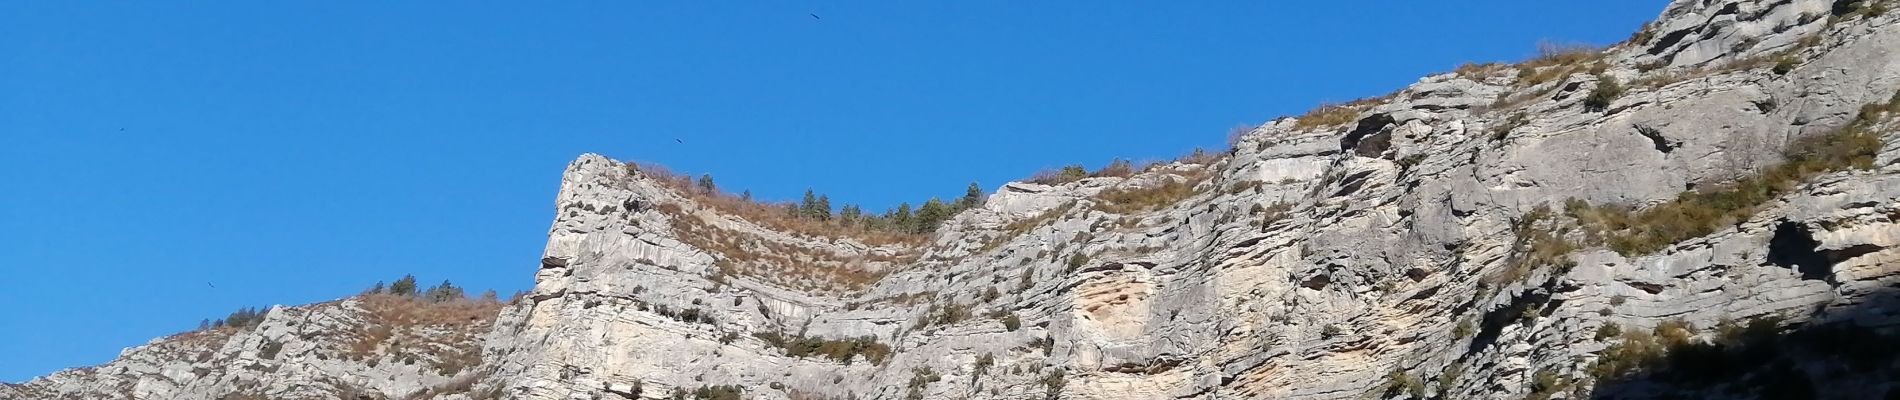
(374, 347)
(1398, 247)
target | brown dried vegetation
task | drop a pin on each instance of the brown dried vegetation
(408, 329)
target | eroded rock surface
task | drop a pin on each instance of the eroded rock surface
(1382, 257)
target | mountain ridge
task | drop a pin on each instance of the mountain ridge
(1456, 239)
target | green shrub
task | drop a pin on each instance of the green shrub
(1545, 383)
(1608, 331)
(1011, 322)
(718, 392)
(1464, 329)
(1606, 91)
(1068, 173)
(1540, 242)
(1504, 129)
(840, 350)
(1401, 382)
(920, 378)
(1786, 64)
(270, 350)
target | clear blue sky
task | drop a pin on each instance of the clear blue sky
(296, 153)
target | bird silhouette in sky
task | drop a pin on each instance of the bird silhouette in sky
(211, 285)
(678, 140)
(815, 16)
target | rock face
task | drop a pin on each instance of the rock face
(1399, 247)
(371, 347)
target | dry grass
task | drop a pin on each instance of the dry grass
(408, 329)
(1135, 200)
(1327, 115)
(1019, 227)
(1540, 242)
(773, 215)
(1699, 213)
(783, 264)
(1066, 174)
(1779, 62)
(1556, 61)
(1478, 70)
(1119, 168)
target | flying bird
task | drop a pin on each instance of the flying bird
(678, 140)
(211, 285)
(814, 16)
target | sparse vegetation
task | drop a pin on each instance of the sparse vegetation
(1539, 242)
(411, 328)
(1066, 174)
(1076, 261)
(1546, 383)
(920, 378)
(1504, 129)
(840, 350)
(983, 364)
(784, 264)
(1011, 322)
(1556, 61)
(1464, 329)
(1140, 199)
(1605, 92)
(1327, 115)
(1401, 382)
(814, 214)
(1701, 212)
(1786, 64)
(1330, 331)
(710, 392)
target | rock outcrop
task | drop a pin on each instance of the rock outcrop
(368, 347)
(1479, 234)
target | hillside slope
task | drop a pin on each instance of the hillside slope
(1720, 190)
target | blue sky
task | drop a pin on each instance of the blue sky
(293, 153)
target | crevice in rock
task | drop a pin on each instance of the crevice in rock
(1368, 138)
(1837, 256)
(1352, 183)
(1317, 282)
(1495, 320)
(1669, 40)
(1793, 246)
(1656, 138)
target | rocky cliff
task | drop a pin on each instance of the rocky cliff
(1718, 190)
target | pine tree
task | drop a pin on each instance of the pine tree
(404, 287)
(824, 207)
(377, 289)
(489, 296)
(972, 197)
(204, 324)
(245, 317)
(809, 207)
(932, 213)
(901, 219)
(851, 214)
(706, 184)
(746, 195)
(444, 292)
